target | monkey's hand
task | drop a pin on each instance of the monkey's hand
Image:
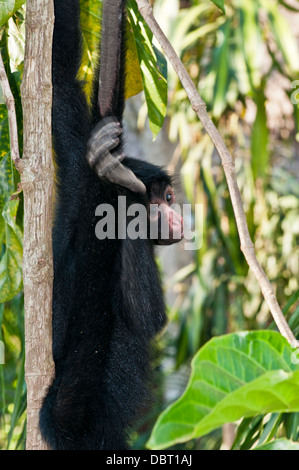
(104, 155)
(104, 138)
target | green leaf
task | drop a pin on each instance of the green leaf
(134, 84)
(283, 36)
(251, 40)
(233, 376)
(11, 260)
(259, 138)
(4, 135)
(91, 19)
(15, 79)
(153, 70)
(146, 67)
(219, 4)
(7, 9)
(184, 35)
(10, 234)
(20, 397)
(221, 70)
(279, 444)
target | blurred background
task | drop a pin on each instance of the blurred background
(245, 65)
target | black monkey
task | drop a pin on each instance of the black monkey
(107, 298)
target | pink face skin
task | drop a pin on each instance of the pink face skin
(165, 212)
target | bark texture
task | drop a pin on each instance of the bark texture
(37, 184)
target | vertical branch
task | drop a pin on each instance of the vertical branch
(37, 184)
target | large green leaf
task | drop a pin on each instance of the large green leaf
(233, 376)
(279, 444)
(7, 9)
(153, 70)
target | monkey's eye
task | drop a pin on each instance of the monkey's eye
(169, 198)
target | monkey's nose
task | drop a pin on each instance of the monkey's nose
(178, 228)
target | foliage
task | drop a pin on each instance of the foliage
(7, 10)
(153, 77)
(279, 444)
(233, 54)
(233, 376)
(10, 231)
(234, 61)
(13, 389)
(150, 75)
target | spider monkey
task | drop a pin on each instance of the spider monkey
(107, 297)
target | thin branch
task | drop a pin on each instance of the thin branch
(12, 118)
(199, 107)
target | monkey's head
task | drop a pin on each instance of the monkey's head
(165, 221)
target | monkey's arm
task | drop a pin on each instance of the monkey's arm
(104, 155)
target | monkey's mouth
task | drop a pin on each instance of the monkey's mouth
(175, 237)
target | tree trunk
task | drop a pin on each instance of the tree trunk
(37, 184)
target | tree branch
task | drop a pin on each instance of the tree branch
(12, 118)
(37, 184)
(199, 107)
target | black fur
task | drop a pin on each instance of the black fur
(107, 298)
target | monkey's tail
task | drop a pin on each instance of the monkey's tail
(109, 86)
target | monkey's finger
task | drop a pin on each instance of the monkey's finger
(98, 149)
(110, 129)
(106, 126)
(106, 138)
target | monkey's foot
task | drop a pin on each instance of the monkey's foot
(105, 138)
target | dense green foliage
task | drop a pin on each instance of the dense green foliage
(233, 376)
(12, 384)
(236, 56)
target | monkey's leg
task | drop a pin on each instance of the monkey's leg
(104, 155)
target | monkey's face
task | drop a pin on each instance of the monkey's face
(165, 223)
